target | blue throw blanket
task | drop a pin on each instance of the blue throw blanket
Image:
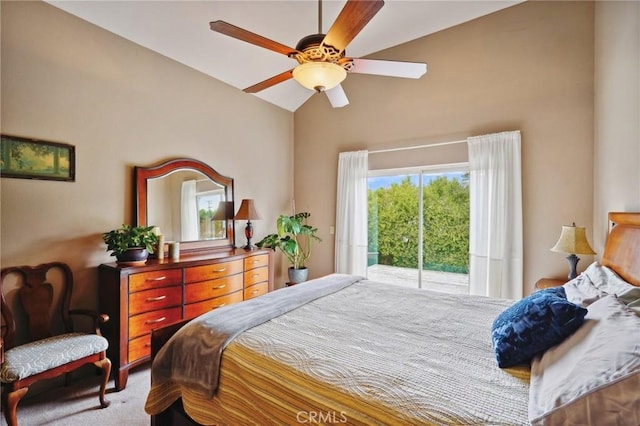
(205, 337)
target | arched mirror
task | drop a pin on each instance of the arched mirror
(189, 201)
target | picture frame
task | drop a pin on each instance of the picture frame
(25, 158)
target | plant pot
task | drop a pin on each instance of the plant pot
(135, 256)
(297, 275)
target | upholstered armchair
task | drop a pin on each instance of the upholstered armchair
(49, 347)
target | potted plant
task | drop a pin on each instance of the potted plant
(294, 239)
(131, 245)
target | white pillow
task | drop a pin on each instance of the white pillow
(628, 294)
(592, 377)
(597, 275)
(582, 290)
(598, 281)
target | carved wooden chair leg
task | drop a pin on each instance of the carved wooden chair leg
(11, 400)
(105, 366)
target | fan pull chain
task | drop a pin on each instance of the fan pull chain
(319, 16)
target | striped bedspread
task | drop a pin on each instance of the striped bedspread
(370, 354)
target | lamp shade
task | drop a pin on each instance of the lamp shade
(247, 211)
(319, 76)
(573, 240)
(224, 211)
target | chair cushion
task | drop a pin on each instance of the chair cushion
(42, 355)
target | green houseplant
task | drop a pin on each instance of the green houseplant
(131, 244)
(294, 239)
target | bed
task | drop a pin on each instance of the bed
(343, 349)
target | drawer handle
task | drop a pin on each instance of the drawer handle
(218, 287)
(255, 261)
(255, 275)
(155, 299)
(220, 305)
(147, 345)
(155, 321)
(220, 270)
(162, 278)
(255, 291)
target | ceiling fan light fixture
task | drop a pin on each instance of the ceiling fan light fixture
(319, 76)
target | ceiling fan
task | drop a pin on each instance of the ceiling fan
(322, 64)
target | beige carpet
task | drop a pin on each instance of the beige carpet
(78, 403)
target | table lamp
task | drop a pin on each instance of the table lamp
(573, 240)
(247, 211)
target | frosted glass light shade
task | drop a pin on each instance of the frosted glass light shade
(319, 76)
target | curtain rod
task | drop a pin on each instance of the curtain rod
(417, 147)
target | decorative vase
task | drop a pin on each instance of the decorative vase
(134, 256)
(297, 275)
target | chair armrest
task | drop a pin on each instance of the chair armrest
(97, 318)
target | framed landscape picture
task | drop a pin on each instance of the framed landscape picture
(35, 159)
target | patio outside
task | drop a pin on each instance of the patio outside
(445, 282)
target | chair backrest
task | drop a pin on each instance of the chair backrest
(34, 291)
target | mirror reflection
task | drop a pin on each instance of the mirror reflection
(187, 206)
(188, 201)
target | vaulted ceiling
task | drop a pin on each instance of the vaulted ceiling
(179, 29)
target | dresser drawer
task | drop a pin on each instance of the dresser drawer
(139, 348)
(194, 309)
(256, 290)
(154, 279)
(256, 261)
(215, 270)
(255, 276)
(204, 290)
(144, 323)
(158, 298)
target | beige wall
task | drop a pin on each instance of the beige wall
(529, 67)
(121, 105)
(617, 112)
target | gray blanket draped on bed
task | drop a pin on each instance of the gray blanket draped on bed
(208, 335)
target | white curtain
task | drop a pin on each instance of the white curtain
(189, 213)
(351, 213)
(495, 237)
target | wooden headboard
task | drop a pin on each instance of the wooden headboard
(622, 250)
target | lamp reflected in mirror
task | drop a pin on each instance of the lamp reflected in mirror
(572, 241)
(247, 211)
(224, 211)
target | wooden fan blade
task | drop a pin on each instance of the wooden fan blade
(270, 82)
(389, 68)
(353, 17)
(244, 35)
(337, 97)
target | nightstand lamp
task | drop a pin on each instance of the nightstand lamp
(247, 211)
(573, 240)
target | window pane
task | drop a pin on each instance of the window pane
(393, 229)
(208, 203)
(446, 231)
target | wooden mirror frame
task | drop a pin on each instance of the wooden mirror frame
(142, 176)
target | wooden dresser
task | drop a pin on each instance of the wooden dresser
(139, 299)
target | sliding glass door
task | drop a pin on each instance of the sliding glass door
(419, 227)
